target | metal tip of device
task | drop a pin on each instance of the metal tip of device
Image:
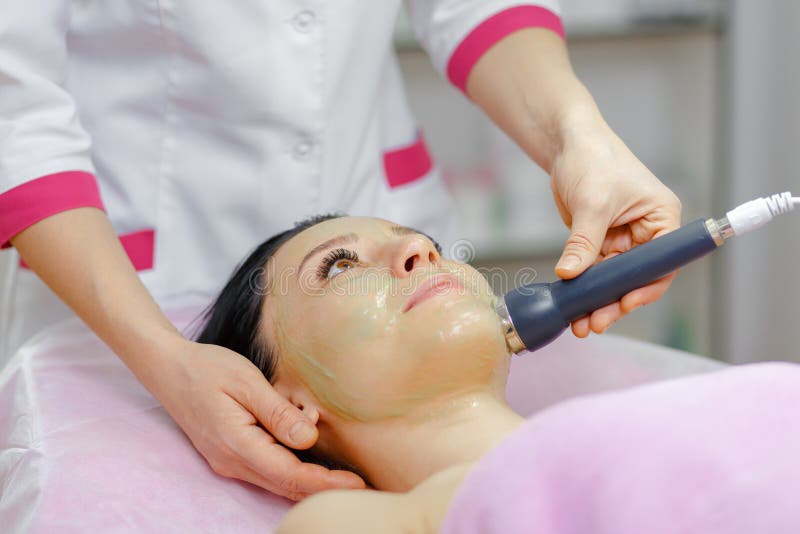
(720, 230)
(513, 341)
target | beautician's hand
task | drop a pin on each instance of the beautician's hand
(224, 404)
(611, 202)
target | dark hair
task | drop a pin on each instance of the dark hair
(233, 319)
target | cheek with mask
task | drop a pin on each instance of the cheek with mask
(366, 357)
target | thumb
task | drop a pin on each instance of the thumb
(282, 419)
(582, 247)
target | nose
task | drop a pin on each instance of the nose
(414, 252)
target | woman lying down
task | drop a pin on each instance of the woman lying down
(398, 356)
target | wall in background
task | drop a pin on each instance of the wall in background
(759, 288)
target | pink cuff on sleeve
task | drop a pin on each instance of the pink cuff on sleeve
(407, 164)
(490, 31)
(38, 199)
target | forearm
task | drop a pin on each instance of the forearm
(77, 254)
(526, 85)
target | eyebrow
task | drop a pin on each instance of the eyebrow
(332, 242)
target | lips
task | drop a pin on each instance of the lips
(437, 284)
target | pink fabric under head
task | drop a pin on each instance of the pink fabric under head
(85, 448)
(492, 30)
(38, 199)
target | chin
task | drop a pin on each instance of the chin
(461, 335)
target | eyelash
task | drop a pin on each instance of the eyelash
(333, 256)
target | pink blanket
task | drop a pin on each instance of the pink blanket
(715, 453)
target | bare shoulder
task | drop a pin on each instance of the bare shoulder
(421, 510)
(353, 511)
(432, 497)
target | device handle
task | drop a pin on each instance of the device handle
(611, 279)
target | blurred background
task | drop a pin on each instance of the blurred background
(705, 93)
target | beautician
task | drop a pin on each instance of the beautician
(169, 138)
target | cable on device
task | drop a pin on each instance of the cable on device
(758, 212)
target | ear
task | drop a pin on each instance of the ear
(300, 396)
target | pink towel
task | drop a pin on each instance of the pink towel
(712, 454)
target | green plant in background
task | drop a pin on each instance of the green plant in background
(679, 333)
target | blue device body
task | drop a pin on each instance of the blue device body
(540, 312)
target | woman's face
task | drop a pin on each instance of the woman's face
(370, 317)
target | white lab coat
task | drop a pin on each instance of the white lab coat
(212, 125)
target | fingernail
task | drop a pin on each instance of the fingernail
(301, 432)
(569, 263)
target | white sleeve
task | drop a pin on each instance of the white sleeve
(455, 33)
(41, 139)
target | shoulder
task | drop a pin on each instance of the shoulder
(432, 497)
(353, 511)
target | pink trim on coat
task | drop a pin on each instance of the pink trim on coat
(29, 203)
(490, 31)
(407, 164)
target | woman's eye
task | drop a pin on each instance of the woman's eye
(336, 262)
(339, 267)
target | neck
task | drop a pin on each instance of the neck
(398, 454)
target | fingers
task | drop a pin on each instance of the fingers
(304, 482)
(674, 208)
(583, 245)
(647, 294)
(273, 467)
(602, 318)
(307, 480)
(580, 327)
(279, 416)
(598, 321)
